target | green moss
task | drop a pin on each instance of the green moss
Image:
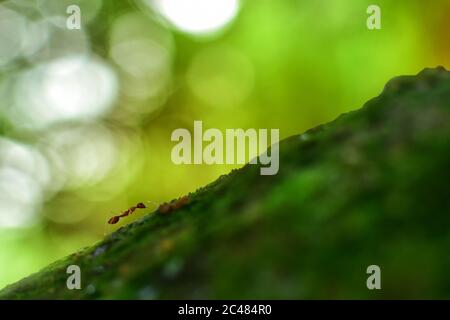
(370, 187)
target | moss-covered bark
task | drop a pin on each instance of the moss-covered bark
(369, 188)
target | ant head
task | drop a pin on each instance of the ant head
(140, 205)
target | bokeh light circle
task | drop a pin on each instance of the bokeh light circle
(24, 179)
(56, 41)
(80, 155)
(71, 88)
(12, 27)
(143, 51)
(197, 16)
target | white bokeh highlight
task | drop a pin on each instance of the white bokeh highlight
(24, 180)
(12, 27)
(81, 155)
(197, 16)
(143, 52)
(71, 88)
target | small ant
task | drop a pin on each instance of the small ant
(125, 213)
(173, 205)
(163, 208)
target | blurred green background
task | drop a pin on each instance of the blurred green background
(86, 115)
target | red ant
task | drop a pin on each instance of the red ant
(115, 219)
(163, 208)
